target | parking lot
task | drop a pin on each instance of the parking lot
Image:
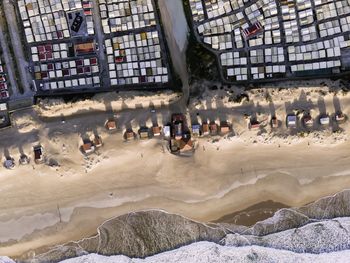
(262, 40)
(88, 45)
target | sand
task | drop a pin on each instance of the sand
(43, 206)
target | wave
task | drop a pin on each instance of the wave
(210, 252)
(320, 227)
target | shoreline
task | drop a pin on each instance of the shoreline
(252, 214)
(88, 228)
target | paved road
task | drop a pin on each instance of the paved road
(178, 57)
(100, 40)
(14, 31)
(8, 62)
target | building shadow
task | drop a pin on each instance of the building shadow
(302, 104)
(154, 119)
(336, 104)
(108, 105)
(6, 153)
(288, 108)
(124, 105)
(20, 149)
(272, 109)
(321, 106)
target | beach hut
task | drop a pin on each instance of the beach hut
(340, 117)
(23, 159)
(274, 122)
(38, 154)
(205, 129)
(144, 133)
(111, 124)
(9, 163)
(166, 131)
(213, 127)
(156, 130)
(129, 135)
(87, 147)
(196, 130)
(307, 120)
(254, 124)
(224, 128)
(324, 119)
(291, 121)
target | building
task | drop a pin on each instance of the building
(254, 124)
(38, 154)
(340, 117)
(324, 119)
(111, 124)
(252, 30)
(224, 128)
(291, 121)
(129, 135)
(196, 130)
(144, 133)
(87, 147)
(9, 163)
(307, 120)
(166, 131)
(85, 48)
(24, 159)
(205, 129)
(274, 122)
(213, 127)
(156, 130)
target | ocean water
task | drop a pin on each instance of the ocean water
(210, 252)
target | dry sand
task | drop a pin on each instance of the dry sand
(44, 206)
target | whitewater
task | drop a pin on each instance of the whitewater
(202, 252)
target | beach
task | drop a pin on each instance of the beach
(44, 206)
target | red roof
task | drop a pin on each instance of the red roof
(93, 61)
(50, 66)
(42, 57)
(41, 49)
(48, 47)
(79, 62)
(4, 94)
(80, 70)
(87, 69)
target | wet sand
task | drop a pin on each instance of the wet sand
(252, 214)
